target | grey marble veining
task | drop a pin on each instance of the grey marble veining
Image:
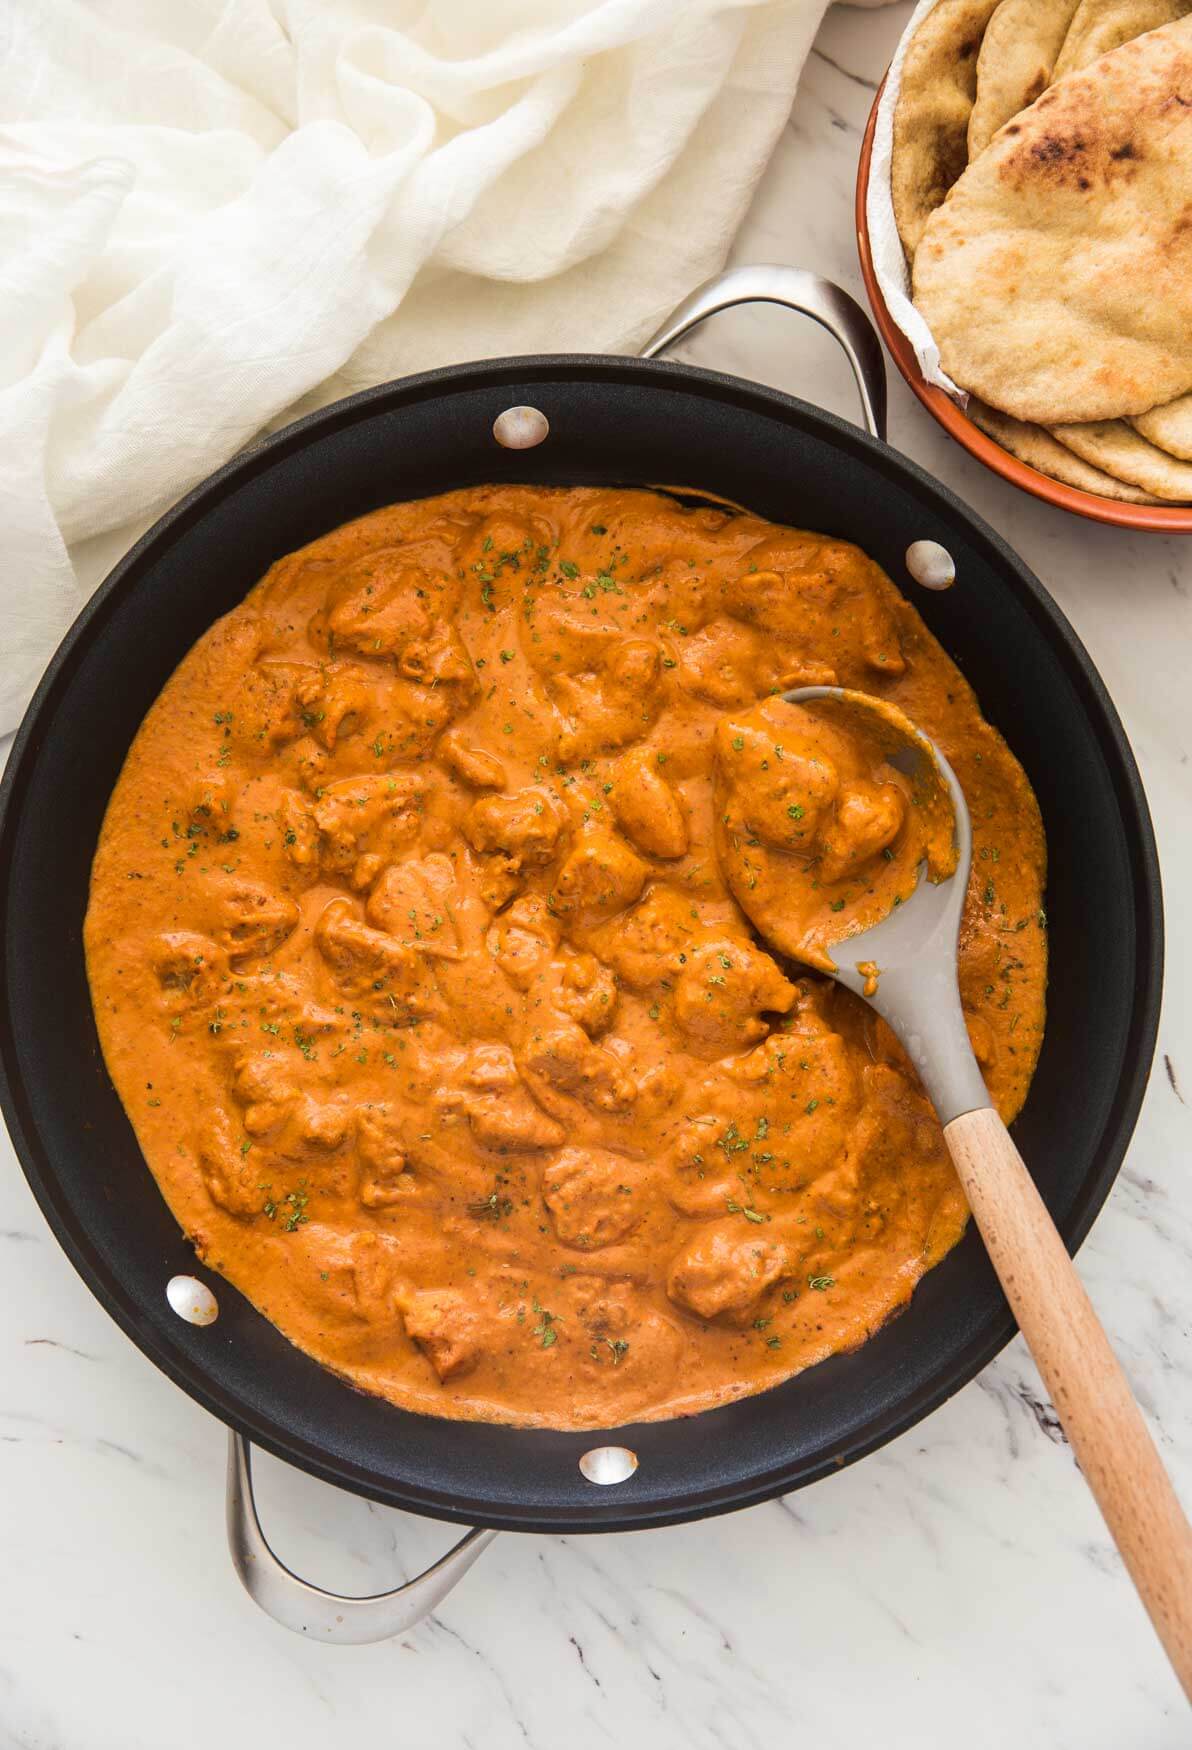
(955, 1589)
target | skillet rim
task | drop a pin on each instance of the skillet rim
(1100, 716)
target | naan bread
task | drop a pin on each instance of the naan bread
(1038, 449)
(1169, 427)
(1018, 53)
(939, 80)
(1116, 447)
(1057, 276)
(1100, 26)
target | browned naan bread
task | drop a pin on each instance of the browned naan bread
(1038, 449)
(1057, 276)
(1015, 66)
(1100, 26)
(1169, 426)
(935, 99)
(1115, 446)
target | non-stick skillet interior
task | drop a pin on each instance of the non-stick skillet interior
(611, 422)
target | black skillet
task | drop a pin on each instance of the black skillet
(611, 421)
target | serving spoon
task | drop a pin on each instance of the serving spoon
(905, 967)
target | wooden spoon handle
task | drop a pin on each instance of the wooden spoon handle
(1087, 1386)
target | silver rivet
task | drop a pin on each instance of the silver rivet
(608, 1464)
(192, 1300)
(931, 565)
(520, 428)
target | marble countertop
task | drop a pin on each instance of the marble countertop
(956, 1588)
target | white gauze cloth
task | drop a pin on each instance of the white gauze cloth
(211, 209)
(889, 259)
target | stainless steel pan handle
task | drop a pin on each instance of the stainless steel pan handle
(811, 296)
(309, 1610)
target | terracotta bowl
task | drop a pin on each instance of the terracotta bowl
(1174, 521)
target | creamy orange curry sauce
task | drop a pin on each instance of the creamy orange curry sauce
(417, 974)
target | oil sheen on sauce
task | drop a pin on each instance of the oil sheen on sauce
(417, 974)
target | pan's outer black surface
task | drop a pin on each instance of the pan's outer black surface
(612, 421)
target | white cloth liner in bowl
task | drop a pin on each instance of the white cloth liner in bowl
(885, 245)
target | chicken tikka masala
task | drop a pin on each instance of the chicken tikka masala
(417, 974)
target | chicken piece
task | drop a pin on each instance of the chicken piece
(631, 672)
(865, 1171)
(383, 1177)
(779, 673)
(514, 1125)
(524, 826)
(896, 1124)
(319, 1124)
(439, 660)
(680, 579)
(378, 1139)
(507, 543)
(724, 990)
(600, 877)
(619, 708)
(190, 968)
(227, 1172)
(703, 1191)
(866, 819)
(809, 593)
(726, 1139)
(383, 1190)
(775, 1118)
(648, 811)
(447, 1330)
(418, 707)
(332, 702)
(565, 1057)
(659, 1088)
(375, 1263)
(263, 1084)
(498, 880)
(719, 663)
(513, 834)
(646, 943)
(502, 1112)
(773, 792)
(581, 629)
(377, 814)
(471, 764)
(251, 920)
(371, 965)
(376, 607)
(299, 832)
(348, 1279)
(411, 901)
(594, 1196)
(523, 939)
(269, 710)
(630, 1354)
(805, 1083)
(310, 763)
(586, 991)
(724, 1270)
(357, 953)
(206, 806)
